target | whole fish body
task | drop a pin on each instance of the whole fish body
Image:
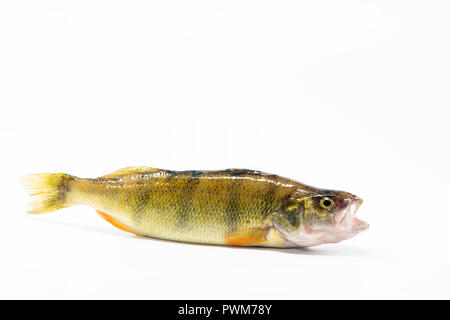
(228, 207)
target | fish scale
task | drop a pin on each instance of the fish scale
(194, 206)
(234, 206)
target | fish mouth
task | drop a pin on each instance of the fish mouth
(347, 218)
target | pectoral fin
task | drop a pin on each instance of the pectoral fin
(247, 237)
(116, 223)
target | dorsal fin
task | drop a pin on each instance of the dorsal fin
(238, 172)
(128, 170)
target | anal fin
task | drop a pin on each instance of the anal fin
(247, 237)
(116, 223)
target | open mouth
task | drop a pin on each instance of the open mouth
(348, 217)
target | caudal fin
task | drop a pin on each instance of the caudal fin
(48, 191)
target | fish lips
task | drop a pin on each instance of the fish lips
(347, 220)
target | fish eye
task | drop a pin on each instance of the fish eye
(326, 203)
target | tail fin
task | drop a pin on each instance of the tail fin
(48, 191)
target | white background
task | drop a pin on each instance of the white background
(350, 95)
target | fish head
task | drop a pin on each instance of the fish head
(317, 217)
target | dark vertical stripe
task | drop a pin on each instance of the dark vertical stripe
(185, 210)
(139, 197)
(146, 196)
(232, 214)
(269, 200)
(168, 196)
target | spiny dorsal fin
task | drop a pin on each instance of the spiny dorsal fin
(128, 170)
(238, 172)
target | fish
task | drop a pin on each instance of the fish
(234, 207)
